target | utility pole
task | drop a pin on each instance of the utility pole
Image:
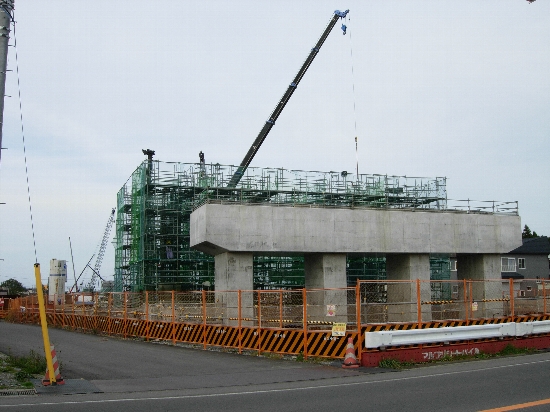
(6, 17)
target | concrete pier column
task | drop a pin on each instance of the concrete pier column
(485, 272)
(402, 297)
(325, 271)
(233, 272)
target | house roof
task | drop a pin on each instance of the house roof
(533, 246)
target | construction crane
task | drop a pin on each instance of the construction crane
(100, 253)
(284, 100)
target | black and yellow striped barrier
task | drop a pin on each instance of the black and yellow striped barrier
(439, 302)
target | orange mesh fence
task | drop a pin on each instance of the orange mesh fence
(160, 306)
(488, 299)
(282, 309)
(389, 301)
(312, 322)
(188, 307)
(442, 300)
(326, 307)
(530, 297)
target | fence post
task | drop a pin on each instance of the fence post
(358, 320)
(544, 297)
(96, 306)
(471, 295)
(418, 304)
(281, 308)
(512, 304)
(466, 299)
(204, 319)
(147, 322)
(239, 314)
(109, 306)
(125, 319)
(73, 313)
(304, 326)
(259, 323)
(173, 318)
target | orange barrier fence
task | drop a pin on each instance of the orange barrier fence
(300, 322)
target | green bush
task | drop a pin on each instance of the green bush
(30, 365)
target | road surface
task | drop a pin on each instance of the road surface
(128, 375)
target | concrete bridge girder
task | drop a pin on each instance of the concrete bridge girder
(233, 233)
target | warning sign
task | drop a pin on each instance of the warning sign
(474, 306)
(331, 310)
(339, 329)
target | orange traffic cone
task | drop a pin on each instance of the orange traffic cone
(58, 379)
(350, 360)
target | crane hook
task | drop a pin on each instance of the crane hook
(344, 27)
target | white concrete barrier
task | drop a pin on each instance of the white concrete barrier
(446, 334)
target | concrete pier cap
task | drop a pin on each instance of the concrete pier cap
(217, 228)
(326, 236)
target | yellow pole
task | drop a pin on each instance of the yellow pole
(44, 324)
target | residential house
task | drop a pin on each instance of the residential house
(527, 265)
(529, 261)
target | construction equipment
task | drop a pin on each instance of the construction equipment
(284, 100)
(95, 271)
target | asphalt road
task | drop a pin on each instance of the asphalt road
(135, 376)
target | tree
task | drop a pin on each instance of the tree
(15, 287)
(527, 234)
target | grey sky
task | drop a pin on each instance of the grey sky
(442, 88)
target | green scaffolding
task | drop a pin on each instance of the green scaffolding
(154, 206)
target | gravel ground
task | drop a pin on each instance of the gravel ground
(7, 375)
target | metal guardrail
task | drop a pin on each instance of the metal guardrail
(434, 335)
(449, 334)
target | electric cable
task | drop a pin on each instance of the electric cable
(23, 136)
(354, 104)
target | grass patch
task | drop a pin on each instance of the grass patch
(391, 363)
(30, 365)
(19, 370)
(512, 350)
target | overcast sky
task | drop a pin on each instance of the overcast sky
(450, 88)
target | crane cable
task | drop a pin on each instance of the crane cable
(354, 109)
(23, 135)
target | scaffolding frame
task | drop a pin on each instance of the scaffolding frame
(154, 207)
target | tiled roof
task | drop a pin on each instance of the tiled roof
(533, 246)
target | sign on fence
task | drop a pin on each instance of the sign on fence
(338, 329)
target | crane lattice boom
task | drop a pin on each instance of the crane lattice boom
(101, 252)
(284, 100)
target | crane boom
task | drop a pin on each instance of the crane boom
(102, 247)
(284, 100)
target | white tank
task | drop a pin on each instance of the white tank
(57, 281)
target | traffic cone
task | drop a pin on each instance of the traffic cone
(58, 379)
(350, 360)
